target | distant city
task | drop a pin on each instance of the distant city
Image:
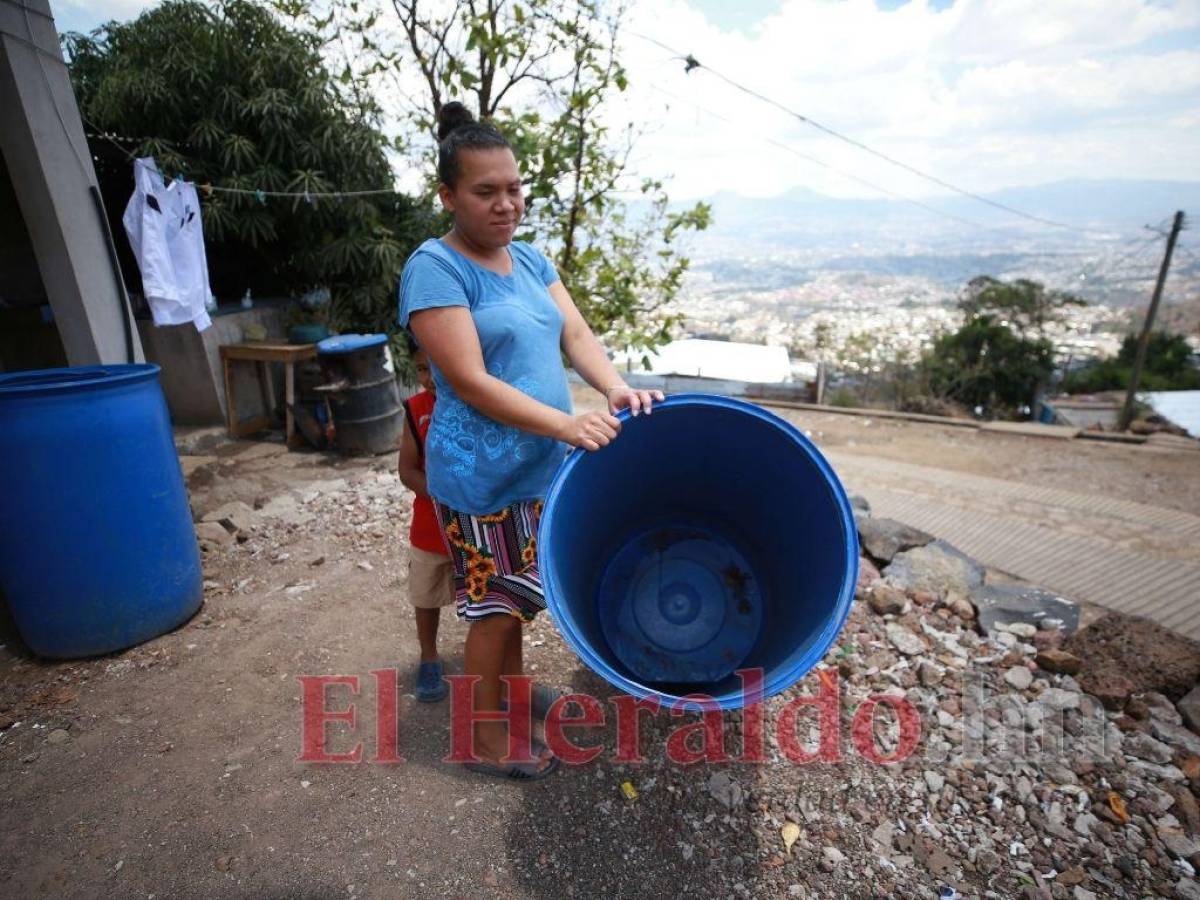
(859, 283)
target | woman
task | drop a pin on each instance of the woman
(492, 315)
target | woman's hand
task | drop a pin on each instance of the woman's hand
(591, 431)
(622, 395)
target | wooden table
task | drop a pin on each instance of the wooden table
(261, 353)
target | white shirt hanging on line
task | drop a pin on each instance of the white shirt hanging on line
(165, 231)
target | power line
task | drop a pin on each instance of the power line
(832, 168)
(1139, 245)
(693, 63)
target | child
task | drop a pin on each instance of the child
(430, 571)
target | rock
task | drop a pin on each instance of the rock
(923, 598)
(235, 515)
(1191, 767)
(1059, 661)
(867, 576)
(286, 509)
(936, 567)
(987, 862)
(1082, 894)
(1022, 629)
(1006, 640)
(725, 790)
(934, 782)
(904, 640)
(1048, 640)
(57, 736)
(1181, 739)
(1109, 687)
(1161, 708)
(1189, 708)
(1019, 677)
(884, 538)
(1084, 823)
(833, 855)
(1143, 746)
(1187, 889)
(1059, 699)
(859, 503)
(1186, 809)
(1137, 709)
(928, 674)
(1156, 772)
(884, 598)
(214, 533)
(1178, 844)
(934, 858)
(1152, 657)
(1008, 604)
(963, 608)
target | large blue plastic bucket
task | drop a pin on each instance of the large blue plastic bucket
(711, 536)
(97, 547)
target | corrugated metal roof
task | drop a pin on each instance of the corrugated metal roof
(729, 360)
(1181, 407)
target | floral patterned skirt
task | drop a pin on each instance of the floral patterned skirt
(495, 560)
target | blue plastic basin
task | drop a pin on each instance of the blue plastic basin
(711, 536)
(97, 547)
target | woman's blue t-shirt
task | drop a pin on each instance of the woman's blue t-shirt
(473, 463)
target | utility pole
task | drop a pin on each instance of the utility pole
(1136, 375)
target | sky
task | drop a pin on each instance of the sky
(986, 94)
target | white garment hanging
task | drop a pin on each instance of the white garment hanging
(164, 227)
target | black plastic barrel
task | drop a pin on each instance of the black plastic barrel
(367, 414)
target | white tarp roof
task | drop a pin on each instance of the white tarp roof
(716, 359)
(1181, 407)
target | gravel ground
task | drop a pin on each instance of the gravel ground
(169, 770)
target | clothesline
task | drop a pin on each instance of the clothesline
(259, 194)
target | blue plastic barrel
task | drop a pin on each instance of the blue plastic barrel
(97, 547)
(711, 536)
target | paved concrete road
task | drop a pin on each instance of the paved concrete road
(1131, 557)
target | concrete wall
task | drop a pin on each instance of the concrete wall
(192, 378)
(46, 152)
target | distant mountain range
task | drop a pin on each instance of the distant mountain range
(800, 217)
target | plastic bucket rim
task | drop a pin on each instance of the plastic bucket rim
(774, 684)
(67, 379)
(345, 344)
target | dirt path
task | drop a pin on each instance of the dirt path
(170, 770)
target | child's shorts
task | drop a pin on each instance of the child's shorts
(430, 579)
(495, 560)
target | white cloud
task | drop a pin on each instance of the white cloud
(987, 93)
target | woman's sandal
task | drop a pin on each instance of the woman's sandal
(518, 771)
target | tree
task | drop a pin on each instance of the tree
(1024, 305)
(985, 364)
(1168, 367)
(228, 96)
(545, 71)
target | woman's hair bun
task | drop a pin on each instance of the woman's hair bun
(452, 115)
